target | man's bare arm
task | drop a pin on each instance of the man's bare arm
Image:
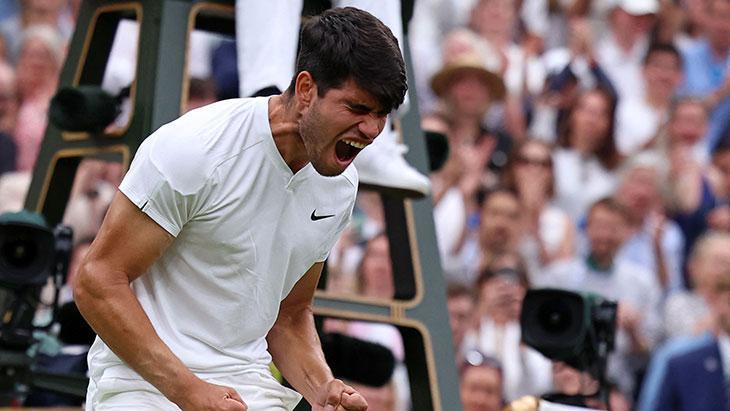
(297, 352)
(128, 243)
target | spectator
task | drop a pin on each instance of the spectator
(654, 242)
(497, 236)
(376, 269)
(33, 13)
(700, 193)
(376, 281)
(547, 231)
(468, 85)
(717, 219)
(39, 65)
(432, 20)
(603, 272)
(502, 287)
(692, 374)
(640, 117)
(623, 47)
(686, 312)
(481, 383)
(460, 303)
(466, 88)
(706, 64)
(523, 71)
(572, 70)
(687, 128)
(705, 60)
(586, 159)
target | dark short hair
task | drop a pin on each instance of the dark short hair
(349, 43)
(610, 204)
(456, 290)
(669, 48)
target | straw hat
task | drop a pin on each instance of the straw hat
(468, 63)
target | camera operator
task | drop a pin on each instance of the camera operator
(502, 287)
(635, 289)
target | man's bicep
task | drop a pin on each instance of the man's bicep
(129, 241)
(303, 291)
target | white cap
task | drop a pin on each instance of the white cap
(639, 7)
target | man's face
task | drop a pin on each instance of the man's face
(376, 270)
(460, 310)
(500, 222)
(663, 73)
(468, 94)
(689, 123)
(708, 265)
(605, 232)
(481, 389)
(337, 125)
(639, 192)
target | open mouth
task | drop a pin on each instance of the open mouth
(346, 150)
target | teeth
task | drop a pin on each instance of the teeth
(354, 144)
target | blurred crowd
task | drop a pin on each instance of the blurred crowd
(588, 149)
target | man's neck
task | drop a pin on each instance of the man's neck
(625, 41)
(657, 100)
(284, 123)
(600, 263)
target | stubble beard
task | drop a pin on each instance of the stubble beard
(309, 130)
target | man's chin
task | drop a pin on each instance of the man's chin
(328, 170)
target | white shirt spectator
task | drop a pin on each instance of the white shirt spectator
(580, 181)
(637, 123)
(623, 69)
(626, 283)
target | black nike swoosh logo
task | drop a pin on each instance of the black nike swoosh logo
(315, 217)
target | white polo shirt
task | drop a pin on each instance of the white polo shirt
(246, 229)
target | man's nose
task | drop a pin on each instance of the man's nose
(372, 125)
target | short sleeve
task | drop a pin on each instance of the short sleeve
(151, 187)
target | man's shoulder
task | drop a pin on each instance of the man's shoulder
(686, 353)
(633, 273)
(204, 137)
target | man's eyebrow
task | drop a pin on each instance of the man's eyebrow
(362, 107)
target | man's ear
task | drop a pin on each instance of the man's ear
(305, 89)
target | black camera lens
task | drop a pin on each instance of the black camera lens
(19, 254)
(555, 317)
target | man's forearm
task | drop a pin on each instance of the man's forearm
(297, 352)
(113, 311)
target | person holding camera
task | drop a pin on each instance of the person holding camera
(600, 271)
(502, 286)
(205, 267)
